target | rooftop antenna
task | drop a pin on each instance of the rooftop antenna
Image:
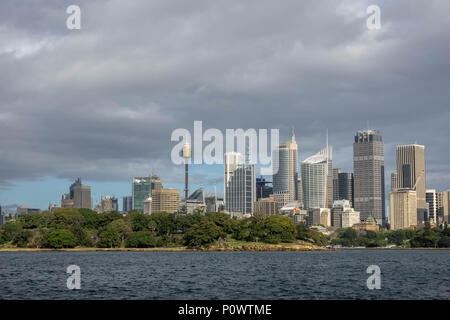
(186, 156)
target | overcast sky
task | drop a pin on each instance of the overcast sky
(101, 103)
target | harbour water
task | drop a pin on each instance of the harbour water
(405, 274)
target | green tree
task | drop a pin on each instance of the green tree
(302, 231)
(64, 218)
(203, 234)
(185, 221)
(109, 238)
(141, 239)
(222, 220)
(349, 234)
(275, 229)
(244, 230)
(92, 219)
(371, 234)
(317, 237)
(10, 229)
(108, 217)
(59, 238)
(140, 222)
(444, 242)
(162, 223)
(21, 239)
(122, 227)
(34, 220)
(83, 238)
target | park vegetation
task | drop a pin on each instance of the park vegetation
(426, 237)
(70, 228)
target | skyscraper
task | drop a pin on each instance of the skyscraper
(346, 187)
(335, 180)
(79, 196)
(403, 208)
(432, 203)
(142, 190)
(300, 191)
(285, 179)
(239, 184)
(127, 203)
(411, 174)
(314, 180)
(368, 164)
(444, 206)
(394, 181)
(82, 197)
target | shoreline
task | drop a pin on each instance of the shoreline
(213, 249)
(237, 248)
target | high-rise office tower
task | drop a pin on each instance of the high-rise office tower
(142, 190)
(82, 197)
(335, 180)
(315, 171)
(411, 174)
(148, 206)
(432, 204)
(78, 197)
(285, 179)
(165, 200)
(115, 203)
(444, 206)
(394, 181)
(300, 191)
(368, 164)
(239, 184)
(72, 187)
(403, 208)
(345, 187)
(127, 203)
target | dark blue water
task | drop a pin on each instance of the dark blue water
(226, 275)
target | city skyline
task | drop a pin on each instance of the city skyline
(119, 189)
(104, 110)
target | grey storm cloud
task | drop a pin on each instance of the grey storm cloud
(101, 102)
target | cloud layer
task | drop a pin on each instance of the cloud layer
(101, 102)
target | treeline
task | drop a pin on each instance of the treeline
(426, 237)
(69, 228)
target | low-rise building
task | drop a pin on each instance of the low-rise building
(319, 216)
(265, 207)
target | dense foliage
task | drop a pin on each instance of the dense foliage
(426, 237)
(69, 228)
